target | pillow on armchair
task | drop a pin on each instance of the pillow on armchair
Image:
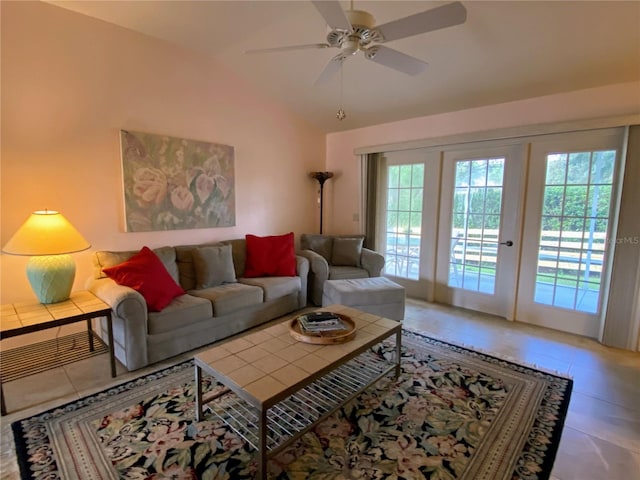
(346, 252)
(321, 244)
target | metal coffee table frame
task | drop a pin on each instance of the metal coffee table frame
(269, 425)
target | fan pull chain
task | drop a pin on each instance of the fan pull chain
(340, 114)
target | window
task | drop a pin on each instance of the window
(404, 220)
(573, 234)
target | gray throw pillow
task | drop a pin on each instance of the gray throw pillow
(320, 244)
(213, 266)
(346, 252)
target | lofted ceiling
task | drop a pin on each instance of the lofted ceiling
(505, 51)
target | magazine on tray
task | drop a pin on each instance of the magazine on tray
(321, 322)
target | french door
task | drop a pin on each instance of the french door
(409, 183)
(479, 229)
(518, 228)
(570, 207)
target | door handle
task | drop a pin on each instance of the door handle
(508, 243)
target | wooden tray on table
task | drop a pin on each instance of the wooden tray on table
(324, 338)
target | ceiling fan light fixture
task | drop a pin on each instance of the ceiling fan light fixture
(351, 45)
(360, 18)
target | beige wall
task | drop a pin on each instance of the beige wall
(70, 83)
(343, 197)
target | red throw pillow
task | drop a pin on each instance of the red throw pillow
(272, 256)
(145, 273)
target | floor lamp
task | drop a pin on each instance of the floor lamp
(321, 177)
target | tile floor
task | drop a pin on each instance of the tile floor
(600, 441)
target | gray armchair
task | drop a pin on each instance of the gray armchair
(336, 257)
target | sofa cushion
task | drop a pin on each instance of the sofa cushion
(105, 259)
(340, 273)
(181, 312)
(346, 251)
(273, 255)
(274, 287)
(321, 244)
(213, 266)
(145, 273)
(230, 297)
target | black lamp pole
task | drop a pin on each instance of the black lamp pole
(321, 177)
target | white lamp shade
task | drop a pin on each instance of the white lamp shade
(46, 232)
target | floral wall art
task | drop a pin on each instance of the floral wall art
(173, 184)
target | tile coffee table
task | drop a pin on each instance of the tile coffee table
(278, 387)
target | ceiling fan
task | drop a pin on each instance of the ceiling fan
(353, 31)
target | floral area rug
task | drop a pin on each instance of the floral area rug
(453, 413)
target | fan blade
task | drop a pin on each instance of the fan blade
(331, 68)
(397, 60)
(285, 49)
(332, 13)
(434, 19)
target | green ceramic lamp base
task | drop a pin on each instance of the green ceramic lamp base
(51, 277)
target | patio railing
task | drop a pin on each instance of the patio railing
(571, 251)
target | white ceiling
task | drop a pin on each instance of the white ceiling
(506, 50)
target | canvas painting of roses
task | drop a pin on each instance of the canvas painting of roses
(174, 184)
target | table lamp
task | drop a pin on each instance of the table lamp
(49, 238)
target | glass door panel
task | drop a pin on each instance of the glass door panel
(403, 233)
(575, 217)
(409, 189)
(572, 185)
(475, 224)
(479, 218)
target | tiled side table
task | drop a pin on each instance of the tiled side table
(28, 317)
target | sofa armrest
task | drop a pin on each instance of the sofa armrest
(318, 274)
(302, 270)
(121, 299)
(372, 262)
(129, 319)
(318, 265)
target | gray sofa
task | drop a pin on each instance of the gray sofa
(337, 257)
(202, 315)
